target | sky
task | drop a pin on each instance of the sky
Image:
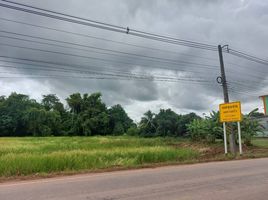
(242, 24)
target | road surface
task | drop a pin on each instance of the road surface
(246, 180)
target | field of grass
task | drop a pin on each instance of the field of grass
(41, 156)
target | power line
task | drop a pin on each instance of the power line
(105, 26)
(91, 57)
(78, 69)
(75, 70)
(32, 75)
(84, 69)
(248, 57)
(107, 40)
(147, 58)
(94, 72)
(253, 95)
(54, 63)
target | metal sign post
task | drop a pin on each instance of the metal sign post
(231, 112)
(239, 138)
(225, 138)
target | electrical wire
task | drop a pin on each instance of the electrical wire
(105, 26)
(248, 57)
(95, 72)
(84, 69)
(108, 40)
(61, 63)
(93, 58)
(144, 57)
(32, 75)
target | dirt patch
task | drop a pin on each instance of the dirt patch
(210, 152)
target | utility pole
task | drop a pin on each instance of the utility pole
(226, 96)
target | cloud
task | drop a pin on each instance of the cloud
(241, 24)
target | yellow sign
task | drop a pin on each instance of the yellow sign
(230, 112)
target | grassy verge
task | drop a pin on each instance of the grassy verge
(42, 157)
(261, 142)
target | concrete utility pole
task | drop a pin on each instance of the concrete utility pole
(226, 97)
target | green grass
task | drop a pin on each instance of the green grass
(261, 142)
(31, 156)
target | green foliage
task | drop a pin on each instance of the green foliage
(12, 111)
(183, 121)
(165, 123)
(52, 102)
(119, 120)
(147, 124)
(250, 126)
(41, 122)
(207, 130)
(133, 131)
(75, 102)
(85, 115)
(210, 128)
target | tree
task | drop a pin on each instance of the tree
(52, 102)
(40, 122)
(147, 124)
(119, 120)
(166, 122)
(12, 111)
(75, 103)
(183, 121)
(89, 116)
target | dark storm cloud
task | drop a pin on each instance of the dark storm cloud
(241, 24)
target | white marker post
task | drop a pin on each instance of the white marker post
(239, 138)
(225, 138)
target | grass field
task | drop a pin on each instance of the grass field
(41, 157)
(29, 156)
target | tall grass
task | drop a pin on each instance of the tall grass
(28, 156)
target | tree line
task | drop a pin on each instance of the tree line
(83, 115)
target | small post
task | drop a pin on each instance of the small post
(225, 138)
(239, 138)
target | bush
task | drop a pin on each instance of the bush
(210, 129)
(133, 131)
(250, 127)
(201, 130)
(207, 130)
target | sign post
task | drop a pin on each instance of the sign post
(231, 112)
(225, 138)
(239, 138)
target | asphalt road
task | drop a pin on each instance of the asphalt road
(246, 180)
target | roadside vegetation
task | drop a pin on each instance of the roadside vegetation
(50, 156)
(47, 138)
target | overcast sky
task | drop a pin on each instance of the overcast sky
(242, 24)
